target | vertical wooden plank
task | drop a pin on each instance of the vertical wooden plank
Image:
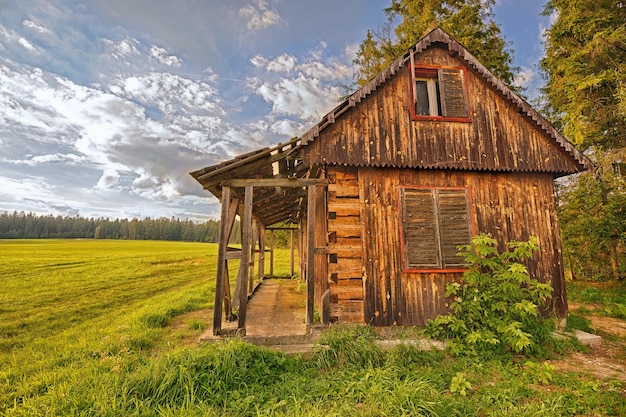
(310, 273)
(261, 251)
(245, 255)
(291, 251)
(221, 262)
(321, 240)
(272, 253)
(253, 238)
(228, 308)
(232, 215)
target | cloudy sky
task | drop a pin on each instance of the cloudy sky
(106, 105)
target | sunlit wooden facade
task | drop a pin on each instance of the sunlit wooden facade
(430, 152)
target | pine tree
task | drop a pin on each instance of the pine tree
(585, 67)
(469, 21)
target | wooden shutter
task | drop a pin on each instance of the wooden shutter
(419, 221)
(454, 225)
(452, 90)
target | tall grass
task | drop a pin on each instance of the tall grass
(84, 328)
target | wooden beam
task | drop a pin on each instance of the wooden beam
(245, 255)
(232, 215)
(272, 252)
(261, 232)
(228, 307)
(291, 243)
(273, 182)
(221, 262)
(310, 273)
(253, 238)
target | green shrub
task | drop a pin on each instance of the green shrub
(496, 307)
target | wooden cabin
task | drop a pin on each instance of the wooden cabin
(384, 188)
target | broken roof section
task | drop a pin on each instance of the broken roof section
(272, 204)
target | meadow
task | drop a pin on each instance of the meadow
(109, 328)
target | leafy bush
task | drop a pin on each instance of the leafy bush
(496, 306)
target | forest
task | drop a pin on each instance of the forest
(20, 225)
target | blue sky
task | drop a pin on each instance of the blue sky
(106, 105)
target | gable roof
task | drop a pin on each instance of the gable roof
(272, 205)
(438, 35)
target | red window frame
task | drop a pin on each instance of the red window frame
(405, 267)
(431, 71)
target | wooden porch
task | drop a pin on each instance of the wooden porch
(262, 189)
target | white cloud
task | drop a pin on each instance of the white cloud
(69, 159)
(305, 90)
(524, 77)
(110, 180)
(543, 30)
(161, 55)
(36, 26)
(259, 15)
(169, 92)
(286, 127)
(282, 63)
(331, 71)
(351, 51)
(124, 48)
(259, 61)
(302, 97)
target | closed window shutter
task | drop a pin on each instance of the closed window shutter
(419, 219)
(454, 224)
(452, 90)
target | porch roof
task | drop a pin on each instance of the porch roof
(272, 203)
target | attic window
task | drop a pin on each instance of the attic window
(435, 221)
(439, 93)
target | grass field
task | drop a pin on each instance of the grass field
(107, 328)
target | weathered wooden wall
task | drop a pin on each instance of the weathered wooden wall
(380, 132)
(510, 206)
(367, 281)
(345, 255)
(321, 237)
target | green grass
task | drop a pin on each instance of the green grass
(603, 298)
(89, 328)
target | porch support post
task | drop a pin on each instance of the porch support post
(221, 262)
(261, 232)
(291, 250)
(310, 273)
(253, 238)
(245, 256)
(272, 253)
(228, 304)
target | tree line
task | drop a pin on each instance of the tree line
(21, 225)
(584, 96)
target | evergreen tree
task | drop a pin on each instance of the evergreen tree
(585, 67)
(592, 212)
(469, 21)
(585, 96)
